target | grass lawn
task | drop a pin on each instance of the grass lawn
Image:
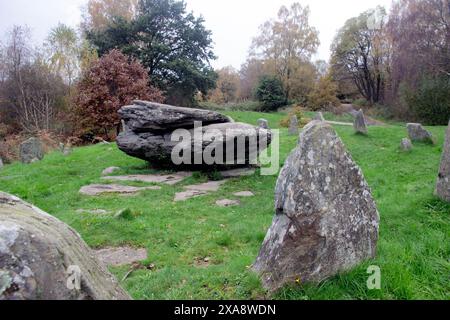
(413, 250)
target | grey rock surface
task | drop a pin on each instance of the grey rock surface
(319, 116)
(293, 126)
(31, 150)
(406, 145)
(169, 179)
(443, 183)
(418, 133)
(224, 203)
(40, 256)
(360, 124)
(326, 219)
(120, 256)
(99, 189)
(263, 123)
(109, 170)
(150, 127)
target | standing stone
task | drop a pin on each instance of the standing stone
(61, 147)
(41, 258)
(1, 163)
(263, 123)
(67, 151)
(31, 151)
(443, 183)
(360, 124)
(293, 126)
(326, 219)
(406, 145)
(418, 133)
(319, 116)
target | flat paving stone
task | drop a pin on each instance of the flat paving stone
(227, 203)
(210, 186)
(109, 171)
(98, 189)
(244, 194)
(186, 195)
(94, 211)
(120, 256)
(169, 179)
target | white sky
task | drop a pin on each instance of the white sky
(233, 22)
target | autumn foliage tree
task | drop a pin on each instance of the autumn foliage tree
(110, 83)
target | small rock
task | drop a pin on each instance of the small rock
(244, 194)
(263, 123)
(211, 186)
(227, 203)
(418, 133)
(98, 189)
(406, 145)
(319, 116)
(360, 124)
(293, 126)
(67, 150)
(110, 170)
(61, 147)
(31, 151)
(1, 163)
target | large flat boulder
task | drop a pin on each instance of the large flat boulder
(443, 183)
(41, 258)
(150, 129)
(144, 116)
(326, 219)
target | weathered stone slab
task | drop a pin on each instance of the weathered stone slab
(326, 219)
(443, 183)
(406, 145)
(293, 126)
(169, 179)
(31, 150)
(360, 124)
(41, 258)
(244, 194)
(99, 189)
(210, 186)
(263, 123)
(93, 211)
(121, 256)
(189, 194)
(418, 133)
(144, 116)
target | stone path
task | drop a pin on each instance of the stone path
(197, 190)
(241, 172)
(98, 189)
(227, 203)
(244, 194)
(120, 256)
(170, 179)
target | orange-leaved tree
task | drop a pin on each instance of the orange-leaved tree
(110, 83)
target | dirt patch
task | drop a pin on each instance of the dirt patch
(120, 256)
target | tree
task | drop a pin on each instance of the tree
(270, 93)
(227, 87)
(420, 33)
(251, 72)
(287, 43)
(323, 96)
(360, 52)
(174, 47)
(99, 14)
(30, 94)
(111, 83)
(63, 47)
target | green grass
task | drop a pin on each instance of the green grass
(413, 250)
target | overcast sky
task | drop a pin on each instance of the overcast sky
(233, 22)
